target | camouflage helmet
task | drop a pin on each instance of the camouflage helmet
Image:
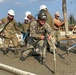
(42, 14)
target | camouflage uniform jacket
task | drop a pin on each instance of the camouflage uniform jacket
(25, 27)
(11, 28)
(36, 31)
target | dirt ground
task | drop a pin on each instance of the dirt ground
(65, 64)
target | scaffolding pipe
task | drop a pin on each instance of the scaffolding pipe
(14, 70)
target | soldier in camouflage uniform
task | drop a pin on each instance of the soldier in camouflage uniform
(10, 31)
(38, 30)
(24, 28)
(49, 20)
(49, 16)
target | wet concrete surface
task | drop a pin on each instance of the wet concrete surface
(65, 64)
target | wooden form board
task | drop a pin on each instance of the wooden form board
(70, 37)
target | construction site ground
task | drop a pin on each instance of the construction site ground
(65, 64)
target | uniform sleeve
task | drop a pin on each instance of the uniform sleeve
(22, 27)
(48, 29)
(17, 28)
(2, 21)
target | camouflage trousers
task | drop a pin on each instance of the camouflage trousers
(57, 35)
(13, 38)
(40, 46)
(41, 50)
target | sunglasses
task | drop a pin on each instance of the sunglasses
(57, 16)
(11, 15)
(26, 20)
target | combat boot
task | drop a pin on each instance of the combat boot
(15, 52)
(5, 52)
(58, 44)
(42, 60)
(23, 55)
(22, 58)
(51, 51)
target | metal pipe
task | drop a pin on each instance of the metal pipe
(14, 70)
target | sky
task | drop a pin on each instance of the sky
(21, 6)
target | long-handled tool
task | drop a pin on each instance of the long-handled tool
(54, 55)
(70, 48)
